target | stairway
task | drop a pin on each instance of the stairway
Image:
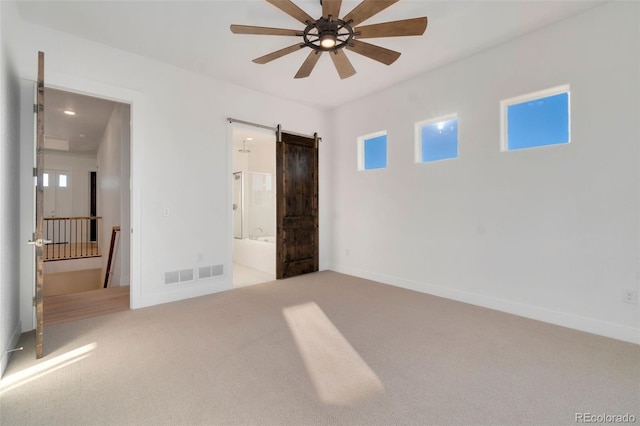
(87, 304)
(71, 282)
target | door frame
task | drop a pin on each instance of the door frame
(70, 83)
(231, 124)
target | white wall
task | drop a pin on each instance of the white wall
(549, 233)
(262, 158)
(180, 158)
(113, 192)
(9, 188)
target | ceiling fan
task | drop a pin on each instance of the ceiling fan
(331, 34)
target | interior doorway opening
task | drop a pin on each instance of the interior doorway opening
(87, 151)
(254, 204)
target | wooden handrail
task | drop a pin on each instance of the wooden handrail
(113, 243)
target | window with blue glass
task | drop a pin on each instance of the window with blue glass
(372, 150)
(437, 139)
(537, 119)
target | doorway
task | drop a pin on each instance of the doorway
(87, 163)
(253, 204)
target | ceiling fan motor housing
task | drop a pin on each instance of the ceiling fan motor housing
(336, 29)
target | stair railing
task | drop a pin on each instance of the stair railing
(71, 237)
(107, 275)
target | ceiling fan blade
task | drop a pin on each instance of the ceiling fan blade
(376, 53)
(342, 63)
(278, 54)
(290, 8)
(331, 8)
(308, 64)
(405, 27)
(249, 29)
(366, 10)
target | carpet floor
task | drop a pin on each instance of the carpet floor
(320, 349)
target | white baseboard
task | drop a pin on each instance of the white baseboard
(174, 293)
(11, 344)
(576, 322)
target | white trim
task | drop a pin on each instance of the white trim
(418, 136)
(75, 84)
(504, 122)
(563, 319)
(360, 149)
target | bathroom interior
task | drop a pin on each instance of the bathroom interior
(254, 205)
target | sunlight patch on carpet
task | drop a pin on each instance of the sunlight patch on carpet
(338, 372)
(32, 373)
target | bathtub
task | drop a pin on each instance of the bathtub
(257, 253)
(270, 240)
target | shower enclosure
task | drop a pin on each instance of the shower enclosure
(254, 220)
(254, 213)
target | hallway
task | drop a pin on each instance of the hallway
(87, 304)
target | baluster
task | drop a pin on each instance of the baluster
(73, 237)
(82, 252)
(46, 233)
(98, 235)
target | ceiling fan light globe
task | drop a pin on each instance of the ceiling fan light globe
(328, 41)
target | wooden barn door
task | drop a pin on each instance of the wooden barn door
(297, 207)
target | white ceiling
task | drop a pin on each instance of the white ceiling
(195, 35)
(83, 130)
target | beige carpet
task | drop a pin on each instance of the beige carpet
(323, 348)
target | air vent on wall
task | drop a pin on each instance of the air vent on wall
(184, 275)
(171, 277)
(210, 271)
(174, 277)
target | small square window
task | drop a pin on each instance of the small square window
(62, 181)
(537, 119)
(372, 151)
(45, 180)
(437, 139)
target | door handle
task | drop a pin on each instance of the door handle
(39, 242)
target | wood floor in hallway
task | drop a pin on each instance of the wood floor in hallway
(86, 304)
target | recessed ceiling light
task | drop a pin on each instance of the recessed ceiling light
(249, 139)
(69, 112)
(82, 135)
